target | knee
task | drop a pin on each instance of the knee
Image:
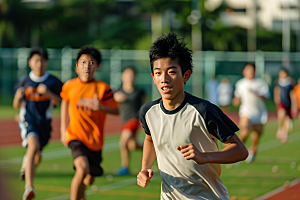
(88, 180)
(82, 168)
(131, 144)
(123, 144)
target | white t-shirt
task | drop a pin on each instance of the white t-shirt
(225, 91)
(195, 121)
(252, 106)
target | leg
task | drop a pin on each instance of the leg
(32, 148)
(258, 129)
(82, 169)
(37, 158)
(126, 135)
(244, 128)
(283, 125)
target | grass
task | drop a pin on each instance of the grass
(246, 181)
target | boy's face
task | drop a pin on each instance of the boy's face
(86, 67)
(128, 76)
(38, 65)
(249, 72)
(282, 74)
(168, 78)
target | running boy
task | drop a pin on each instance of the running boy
(251, 93)
(285, 100)
(182, 130)
(130, 99)
(86, 101)
(35, 94)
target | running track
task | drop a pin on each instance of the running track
(10, 135)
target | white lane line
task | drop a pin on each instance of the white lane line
(277, 191)
(275, 143)
(57, 153)
(105, 188)
(113, 145)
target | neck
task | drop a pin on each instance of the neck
(37, 74)
(128, 87)
(172, 104)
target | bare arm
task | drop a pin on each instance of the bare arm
(276, 95)
(236, 101)
(258, 95)
(17, 102)
(120, 97)
(149, 156)
(96, 105)
(64, 121)
(234, 151)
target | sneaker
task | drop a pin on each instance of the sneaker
(22, 174)
(250, 157)
(29, 193)
(122, 171)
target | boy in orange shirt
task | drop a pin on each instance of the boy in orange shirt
(297, 92)
(86, 101)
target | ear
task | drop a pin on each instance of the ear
(98, 66)
(153, 78)
(187, 75)
(76, 68)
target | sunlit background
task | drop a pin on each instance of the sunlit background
(224, 34)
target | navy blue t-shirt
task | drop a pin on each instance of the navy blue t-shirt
(37, 107)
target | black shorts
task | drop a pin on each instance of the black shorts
(41, 131)
(94, 157)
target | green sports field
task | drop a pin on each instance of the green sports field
(275, 165)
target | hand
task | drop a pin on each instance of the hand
(63, 141)
(42, 88)
(95, 104)
(20, 93)
(120, 97)
(189, 151)
(144, 177)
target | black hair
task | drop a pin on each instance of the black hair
(285, 70)
(252, 64)
(40, 51)
(170, 46)
(130, 67)
(91, 51)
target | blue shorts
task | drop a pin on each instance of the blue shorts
(41, 131)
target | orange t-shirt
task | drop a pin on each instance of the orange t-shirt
(297, 91)
(85, 124)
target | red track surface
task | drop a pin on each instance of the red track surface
(10, 133)
(288, 192)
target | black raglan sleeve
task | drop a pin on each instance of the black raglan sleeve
(217, 123)
(143, 112)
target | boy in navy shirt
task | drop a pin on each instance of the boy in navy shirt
(35, 95)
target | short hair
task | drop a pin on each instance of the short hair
(252, 64)
(130, 67)
(285, 70)
(170, 46)
(40, 51)
(91, 51)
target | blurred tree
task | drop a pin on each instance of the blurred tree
(118, 24)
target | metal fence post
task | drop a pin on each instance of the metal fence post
(6, 55)
(22, 62)
(66, 64)
(115, 68)
(260, 64)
